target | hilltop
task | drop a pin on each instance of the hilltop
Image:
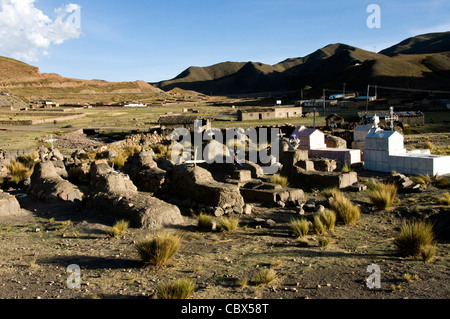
(420, 62)
(28, 83)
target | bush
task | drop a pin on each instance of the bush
(119, 228)
(346, 212)
(29, 160)
(265, 276)
(414, 238)
(382, 195)
(205, 222)
(18, 172)
(444, 200)
(328, 219)
(158, 251)
(421, 179)
(318, 226)
(179, 289)
(228, 224)
(324, 241)
(279, 180)
(118, 161)
(442, 181)
(300, 227)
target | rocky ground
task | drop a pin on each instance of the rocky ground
(44, 239)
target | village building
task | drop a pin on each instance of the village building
(169, 123)
(269, 113)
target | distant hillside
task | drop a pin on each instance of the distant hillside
(30, 84)
(420, 62)
(422, 44)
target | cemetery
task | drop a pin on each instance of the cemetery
(69, 202)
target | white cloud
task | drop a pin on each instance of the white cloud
(26, 32)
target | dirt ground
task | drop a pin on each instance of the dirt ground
(38, 246)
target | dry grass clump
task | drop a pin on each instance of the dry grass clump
(328, 218)
(346, 168)
(18, 172)
(119, 228)
(428, 145)
(205, 222)
(29, 160)
(331, 192)
(415, 238)
(442, 181)
(324, 241)
(179, 289)
(265, 276)
(159, 250)
(444, 200)
(422, 179)
(279, 180)
(382, 195)
(300, 227)
(228, 224)
(346, 212)
(318, 226)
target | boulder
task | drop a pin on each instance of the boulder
(105, 179)
(9, 206)
(190, 181)
(47, 185)
(335, 142)
(141, 210)
(144, 172)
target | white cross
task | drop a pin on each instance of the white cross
(391, 118)
(51, 140)
(281, 135)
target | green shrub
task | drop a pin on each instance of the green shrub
(159, 250)
(414, 237)
(179, 289)
(300, 227)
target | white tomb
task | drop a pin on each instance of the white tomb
(313, 141)
(385, 152)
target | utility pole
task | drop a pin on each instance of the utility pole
(324, 104)
(367, 104)
(345, 84)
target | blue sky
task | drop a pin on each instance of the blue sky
(156, 40)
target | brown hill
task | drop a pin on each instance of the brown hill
(30, 84)
(425, 67)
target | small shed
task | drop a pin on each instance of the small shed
(309, 139)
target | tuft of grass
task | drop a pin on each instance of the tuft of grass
(442, 181)
(302, 242)
(444, 200)
(300, 227)
(159, 250)
(179, 289)
(346, 212)
(346, 168)
(324, 241)
(130, 150)
(119, 228)
(428, 253)
(422, 179)
(409, 278)
(228, 224)
(29, 160)
(279, 180)
(328, 218)
(118, 161)
(318, 226)
(382, 195)
(428, 145)
(414, 238)
(242, 282)
(265, 276)
(205, 222)
(18, 172)
(331, 192)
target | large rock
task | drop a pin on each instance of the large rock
(9, 206)
(47, 185)
(104, 179)
(144, 171)
(141, 210)
(189, 181)
(335, 142)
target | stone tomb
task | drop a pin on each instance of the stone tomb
(385, 152)
(313, 141)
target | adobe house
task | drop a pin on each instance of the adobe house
(169, 123)
(269, 113)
